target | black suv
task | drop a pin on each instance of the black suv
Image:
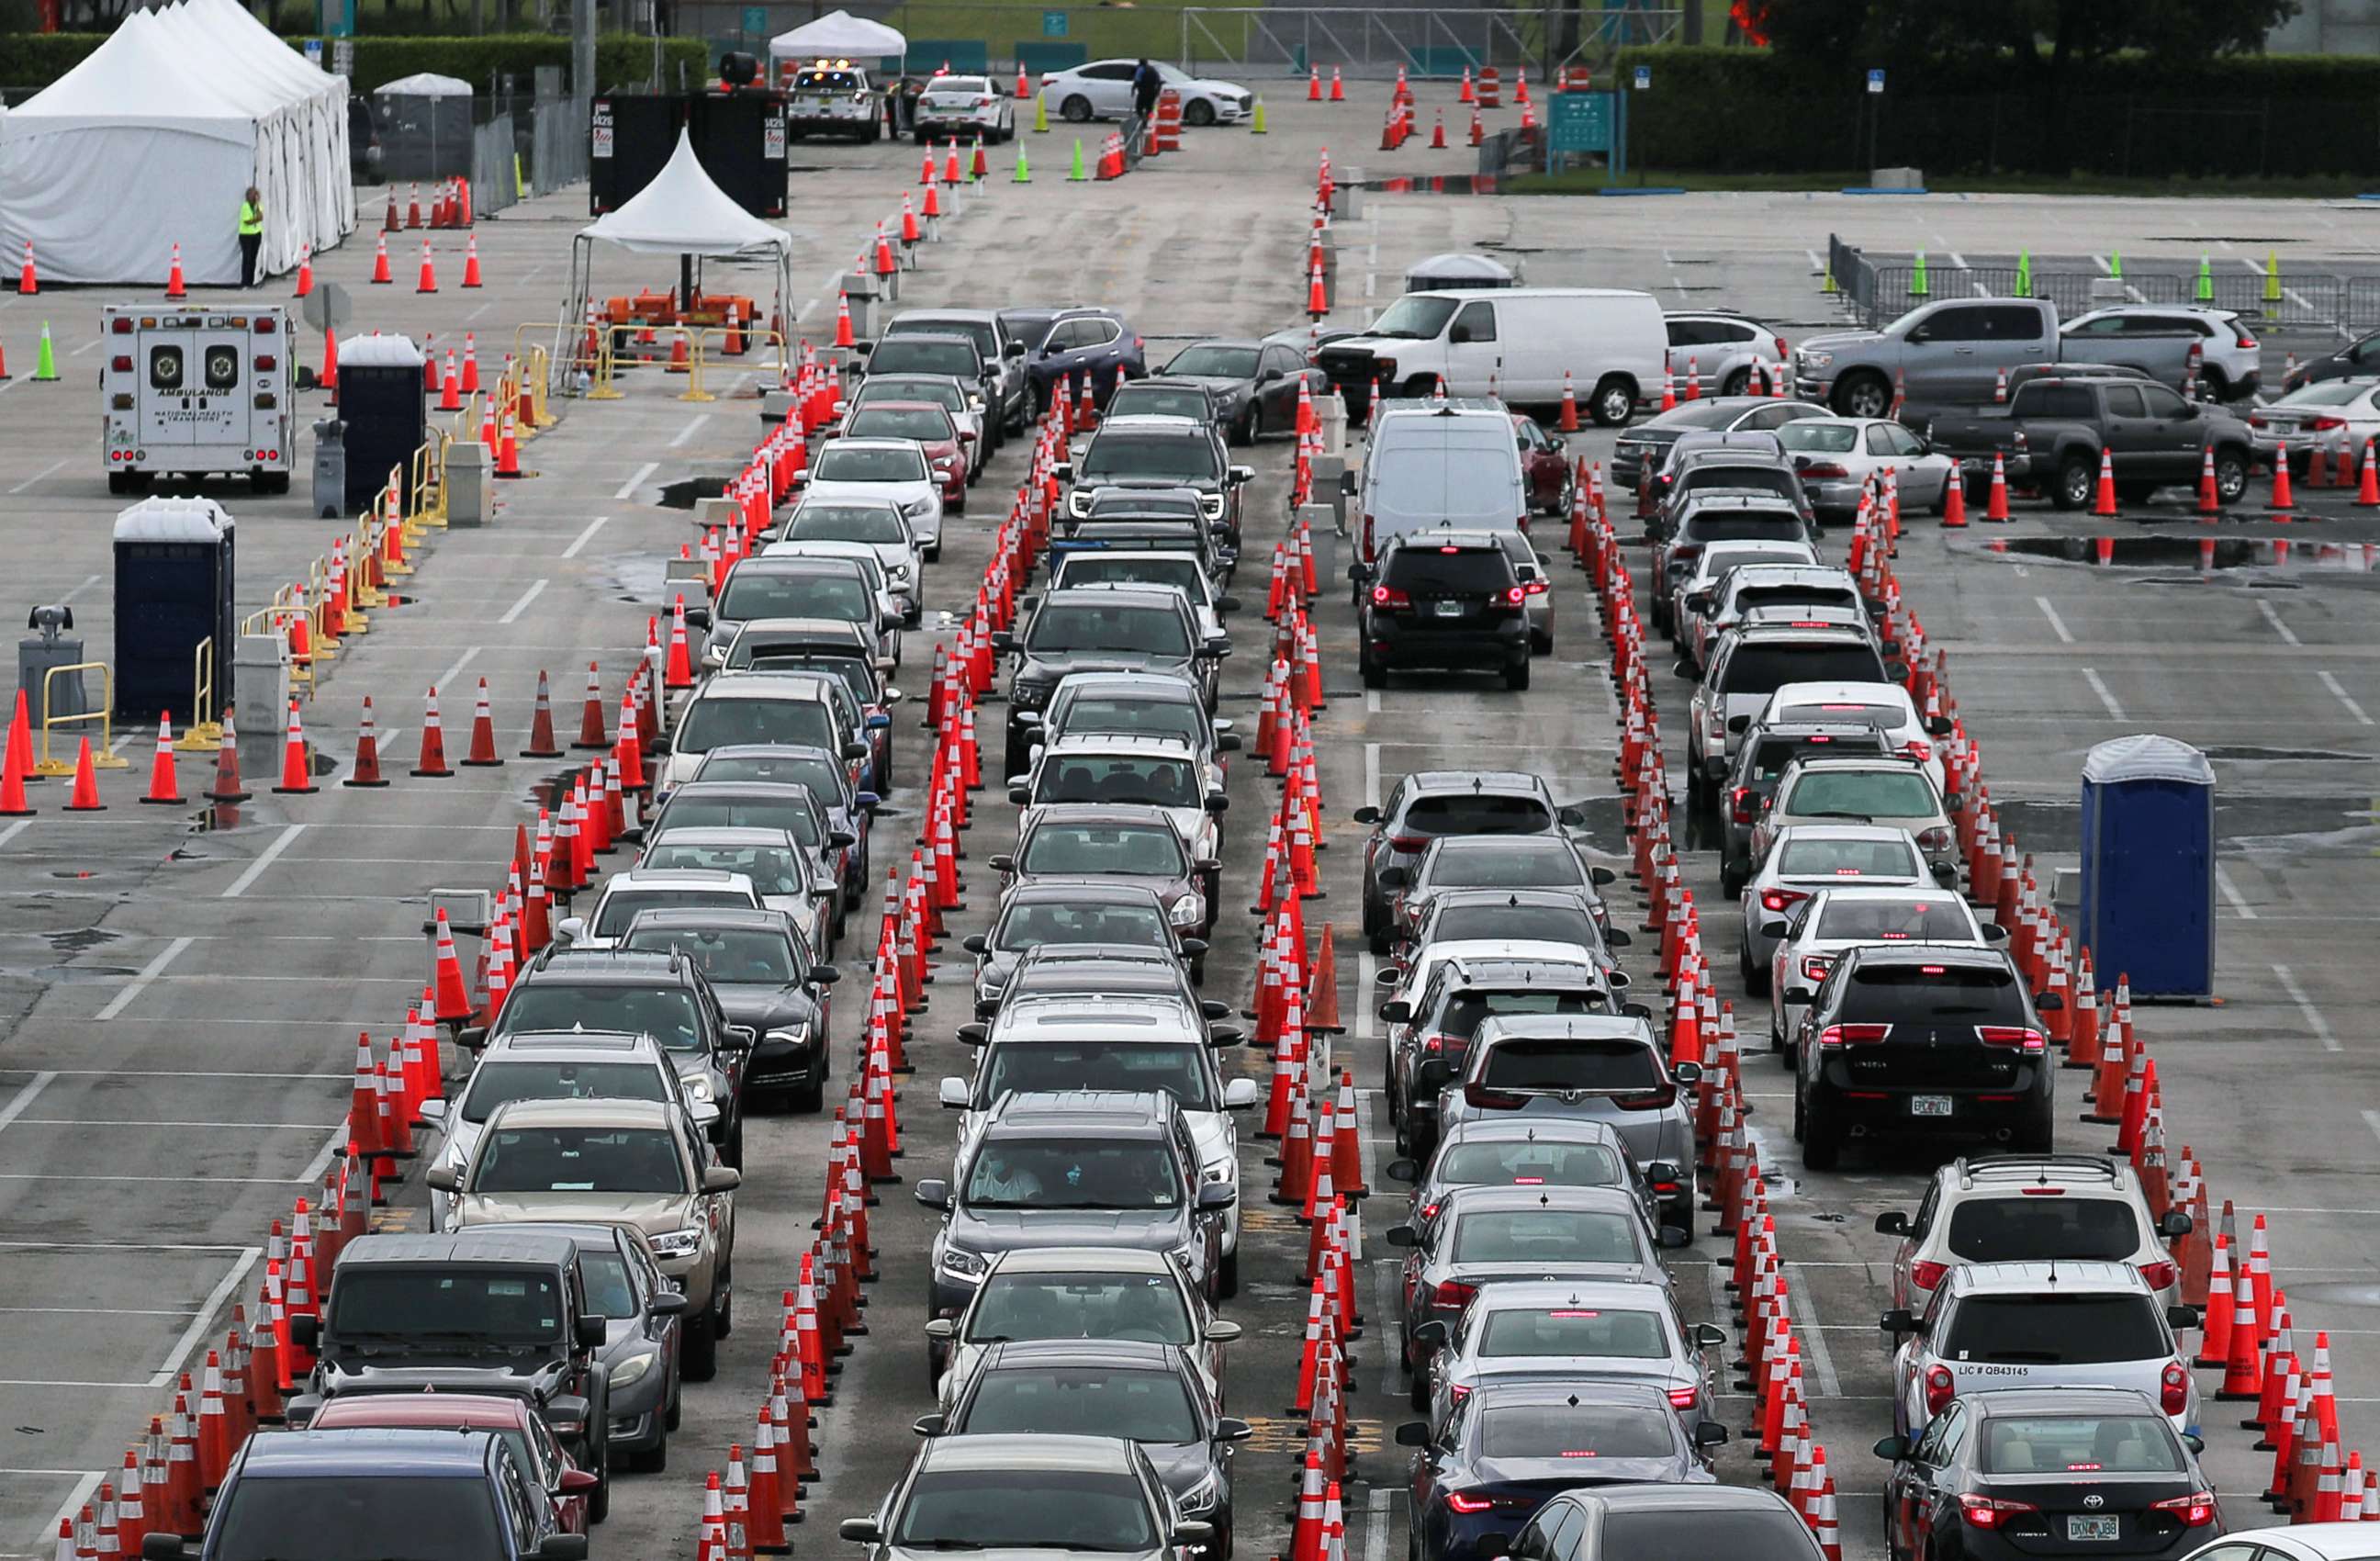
(1923, 1038)
(1442, 598)
(1102, 629)
(1760, 759)
(488, 1310)
(1429, 1037)
(663, 996)
(1151, 452)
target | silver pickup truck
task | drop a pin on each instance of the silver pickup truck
(1953, 353)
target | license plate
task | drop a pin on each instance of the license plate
(1929, 1105)
(2090, 1527)
(1448, 608)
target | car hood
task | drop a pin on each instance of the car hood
(1180, 1464)
(1491, 1273)
(1840, 341)
(901, 493)
(1048, 666)
(1649, 1135)
(900, 1552)
(527, 1374)
(651, 1214)
(993, 1230)
(765, 1006)
(1091, 482)
(1564, 1475)
(1225, 385)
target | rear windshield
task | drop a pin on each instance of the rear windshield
(1850, 859)
(623, 1160)
(691, 810)
(1477, 813)
(2032, 1228)
(1764, 668)
(1811, 437)
(1466, 1012)
(666, 1014)
(2327, 393)
(1446, 481)
(1553, 924)
(920, 355)
(499, 1081)
(840, 462)
(1175, 1068)
(2055, 1330)
(1077, 850)
(753, 593)
(1581, 1431)
(982, 333)
(1031, 1306)
(1449, 571)
(719, 723)
(921, 387)
(1863, 793)
(620, 908)
(1527, 1162)
(1846, 712)
(1928, 920)
(2080, 1445)
(1655, 1534)
(1115, 455)
(1147, 631)
(1152, 398)
(1813, 595)
(1519, 866)
(1766, 479)
(861, 522)
(1571, 1064)
(1545, 1235)
(773, 870)
(1920, 995)
(927, 423)
(1170, 718)
(1223, 362)
(1133, 569)
(1030, 924)
(1083, 1401)
(1160, 783)
(1576, 1330)
(2054, 401)
(408, 1302)
(1775, 753)
(344, 1515)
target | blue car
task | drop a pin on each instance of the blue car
(451, 1495)
(1090, 348)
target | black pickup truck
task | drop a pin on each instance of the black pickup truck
(2052, 431)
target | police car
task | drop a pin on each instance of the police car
(833, 98)
(196, 392)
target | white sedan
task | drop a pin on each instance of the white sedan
(1835, 457)
(881, 468)
(2331, 414)
(1102, 90)
(966, 107)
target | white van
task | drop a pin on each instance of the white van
(1437, 464)
(1516, 342)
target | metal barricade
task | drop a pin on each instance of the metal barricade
(203, 733)
(101, 758)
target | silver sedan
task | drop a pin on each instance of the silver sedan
(1836, 456)
(1622, 1332)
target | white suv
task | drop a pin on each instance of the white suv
(2002, 1208)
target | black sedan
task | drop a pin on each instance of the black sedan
(1508, 1446)
(1253, 383)
(2035, 1472)
(765, 979)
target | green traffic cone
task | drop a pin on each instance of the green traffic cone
(1080, 173)
(1023, 169)
(1256, 126)
(1042, 113)
(2115, 264)
(2272, 277)
(2204, 292)
(2024, 274)
(1828, 285)
(1917, 288)
(45, 362)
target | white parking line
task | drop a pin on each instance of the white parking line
(2372, 1120)
(2230, 892)
(2287, 635)
(2340, 693)
(1805, 1317)
(1371, 775)
(24, 1097)
(588, 535)
(1367, 971)
(75, 1499)
(451, 673)
(264, 858)
(168, 955)
(2099, 687)
(164, 1374)
(13, 830)
(688, 432)
(2056, 624)
(512, 614)
(630, 486)
(38, 475)
(1375, 1523)
(2312, 1015)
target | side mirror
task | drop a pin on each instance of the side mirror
(1229, 742)
(1397, 1010)
(1412, 1433)
(161, 1547)
(1685, 667)
(567, 1547)
(742, 1037)
(974, 943)
(1020, 795)
(697, 618)
(1347, 483)
(1004, 863)
(2193, 1441)
(973, 1034)
(432, 1111)
(1222, 1332)
(1618, 938)
(1662, 1171)
(1737, 725)
(1709, 1335)
(942, 1330)
(1230, 1429)
(1218, 802)
(1772, 926)
(1635, 1010)
(2182, 1317)
(1063, 471)
(1995, 933)
(1897, 1321)
(1402, 1170)
(1891, 1448)
(1709, 1434)
(934, 1193)
(860, 1531)
(1227, 604)
(1217, 1194)
(1388, 975)
(1687, 1072)
(1674, 1237)
(589, 1332)
(954, 1095)
(825, 975)
(1402, 1236)
(1193, 1532)
(1240, 1095)
(1430, 1335)
(721, 1179)
(2048, 1002)
(1393, 877)
(1214, 1008)
(1003, 641)
(1602, 877)
(444, 1178)
(1893, 1222)
(1939, 726)
(1366, 816)
(858, 750)
(2176, 1223)
(966, 436)
(569, 930)
(1897, 670)
(668, 1303)
(1194, 947)
(1243, 473)
(305, 1331)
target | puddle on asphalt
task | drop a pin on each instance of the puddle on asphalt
(2205, 554)
(2244, 822)
(2239, 755)
(681, 494)
(1436, 184)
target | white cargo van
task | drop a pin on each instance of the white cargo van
(1516, 342)
(1439, 463)
(197, 391)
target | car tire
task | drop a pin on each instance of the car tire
(1516, 676)
(1822, 1146)
(2211, 380)
(1737, 384)
(1541, 645)
(1865, 394)
(922, 138)
(811, 1098)
(725, 1314)
(1375, 674)
(1197, 114)
(1227, 1275)
(2076, 479)
(1731, 880)
(675, 1416)
(731, 1151)
(1417, 1394)
(1614, 401)
(1075, 110)
(1420, 387)
(651, 1460)
(701, 1346)
(2230, 475)
(1253, 429)
(2039, 1133)
(599, 1501)
(1756, 976)
(1198, 970)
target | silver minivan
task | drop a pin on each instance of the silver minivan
(1439, 464)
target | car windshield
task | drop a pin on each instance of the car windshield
(1415, 318)
(1543, 1235)
(1179, 458)
(1083, 1401)
(2026, 1228)
(1160, 783)
(1081, 627)
(1154, 398)
(840, 462)
(500, 1081)
(342, 1514)
(1575, 1330)
(1863, 793)
(981, 331)
(666, 1014)
(1140, 849)
(860, 522)
(2061, 1444)
(717, 723)
(1058, 1509)
(1170, 1068)
(393, 1300)
(773, 870)
(692, 810)
(1163, 718)
(1655, 1534)
(1764, 668)
(1527, 1163)
(538, 1160)
(1716, 523)
(959, 86)
(1519, 866)
(1447, 571)
(1475, 813)
(814, 770)
(621, 906)
(1923, 919)
(1218, 362)
(1575, 1431)
(1069, 1173)
(726, 956)
(1922, 995)
(1034, 1306)
(931, 424)
(1824, 858)
(1810, 436)
(921, 354)
(2055, 1330)
(1133, 569)
(1030, 924)
(755, 593)
(1520, 1063)
(1549, 924)
(944, 393)
(604, 1275)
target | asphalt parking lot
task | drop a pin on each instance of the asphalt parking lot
(180, 989)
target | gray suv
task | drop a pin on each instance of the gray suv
(1076, 1168)
(1007, 393)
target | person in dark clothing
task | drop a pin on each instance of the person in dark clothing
(1146, 85)
(251, 234)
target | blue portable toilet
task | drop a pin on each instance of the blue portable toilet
(2148, 865)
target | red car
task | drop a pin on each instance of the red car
(1545, 466)
(931, 426)
(570, 1489)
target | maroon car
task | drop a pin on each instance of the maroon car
(566, 1486)
(931, 427)
(1544, 466)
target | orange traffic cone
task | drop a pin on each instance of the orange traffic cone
(679, 670)
(28, 280)
(164, 787)
(428, 283)
(1437, 130)
(1954, 502)
(174, 288)
(15, 761)
(2210, 499)
(1996, 507)
(1313, 94)
(380, 275)
(483, 734)
(1338, 88)
(227, 787)
(434, 740)
(297, 766)
(451, 997)
(470, 362)
(367, 772)
(472, 261)
(1568, 423)
(86, 783)
(843, 332)
(508, 448)
(305, 272)
(2367, 488)
(450, 386)
(542, 745)
(2103, 500)
(2281, 500)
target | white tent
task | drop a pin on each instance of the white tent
(838, 35)
(682, 211)
(149, 141)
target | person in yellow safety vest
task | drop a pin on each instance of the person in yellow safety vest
(251, 234)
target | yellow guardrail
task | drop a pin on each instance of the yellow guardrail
(204, 732)
(751, 333)
(47, 764)
(598, 365)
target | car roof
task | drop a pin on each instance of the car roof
(1514, 1295)
(598, 967)
(592, 1111)
(663, 917)
(970, 315)
(1564, 1027)
(1109, 813)
(1497, 1391)
(1048, 1018)
(1696, 499)
(1155, 423)
(1768, 633)
(813, 628)
(429, 1410)
(1039, 1450)
(2056, 1403)
(724, 834)
(1545, 843)
(1133, 595)
(1612, 1199)
(402, 1452)
(1814, 729)
(1446, 537)
(1223, 342)
(1975, 956)
(1437, 781)
(2067, 1171)
(1651, 1497)
(2045, 1278)
(593, 1044)
(1164, 744)
(1493, 970)
(806, 563)
(1827, 762)
(1841, 832)
(1106, 890)
(1544, 896)
(1741, 575)
(1028, 1113)
(1173, 688)
(482, 1244)
(1544, 1130)
(1106, 1354)
(1079, 1260)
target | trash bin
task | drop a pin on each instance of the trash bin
(330, 469)
(386, 412)
(175, 592)
(55, 645)
(2148, 865)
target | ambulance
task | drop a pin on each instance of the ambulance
(195, 393)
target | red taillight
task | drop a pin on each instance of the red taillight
(1437, 1043)
(1687, 553)
(1457, 1501)
(1516, 597)
(1740, 808)
(1778, 899)
(1927, 1275)
(2173, 1388)
(1989, 1512)
(2196, 1510)
(1814, 968)
(1368, 538)
(1829, 470)
(1939, 1387)
(266, 362)
(1684, 1397)
(1390, 597)
(2258, 420)
(120, 364)
(1538, 588)
(1937, 838)
(1408, 843)
(1453, 1294)
(1913, 749)
(122, 325)
(983, 103)
(2243, 338)
(2322, 422)
(2159, 1276)
(2025, 1040)
(1780, 349)
(1838, 1036)
(1456, 1393)
(1430, 1211)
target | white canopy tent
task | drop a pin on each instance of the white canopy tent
(423, 84)
(838, 35)
(334, 184)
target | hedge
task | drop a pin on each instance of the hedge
(30, 61)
